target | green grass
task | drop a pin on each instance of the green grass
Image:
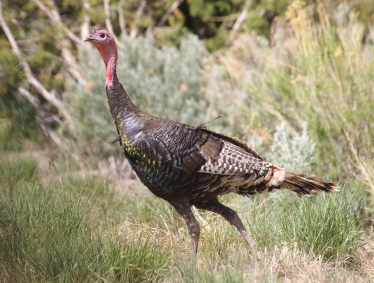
(72, 228)
(328, 226)
(17, 171)
(47, 234)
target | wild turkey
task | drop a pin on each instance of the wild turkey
(188, 165)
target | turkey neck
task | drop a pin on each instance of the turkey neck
(119, 102)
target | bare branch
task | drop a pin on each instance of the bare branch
(9, 34)
(243, 15)
(24, 25)
(108, 22)
(54, 16)
(43, 123)
(29, 75)
(39, 87)
(49, 132)
(34, 101)
(86, 19)
(121, 15)
(69, 59)
(172, 8)
(139, 13)
(37, 104)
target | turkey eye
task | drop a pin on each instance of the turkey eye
(102, 35)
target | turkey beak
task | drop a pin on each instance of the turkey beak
(88, 38)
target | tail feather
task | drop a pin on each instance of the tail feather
(306, 185)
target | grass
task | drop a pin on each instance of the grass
(80, 229)
(325, 225)
(47, 233)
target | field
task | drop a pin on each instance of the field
(71, 209)
(66, 227)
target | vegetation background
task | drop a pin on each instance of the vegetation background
(293, 78)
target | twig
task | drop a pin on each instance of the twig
(172, 8)
(34, 101)
(9, 34)
(49, 132)
(85, 27)
(139, 12)
(69, 59)
(243, 15)
(54, 16)
(108, 22)
(25, 25)
(230, 17)
(121, 15)
(29, 75)
(40, 88)
(43, 123)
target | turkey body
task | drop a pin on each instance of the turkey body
(190, 165)
(175, 160)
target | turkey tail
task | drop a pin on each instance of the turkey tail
(306, 185)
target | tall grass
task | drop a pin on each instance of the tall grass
(82, 229)
(46, 234)
(326, 226)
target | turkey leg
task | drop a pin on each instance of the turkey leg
(230, 215)
(184, 209)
